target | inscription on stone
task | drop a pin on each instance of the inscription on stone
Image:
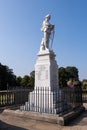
(42, 73)
(46, 74)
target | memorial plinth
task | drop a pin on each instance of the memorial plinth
(46, 70)
(44, 97)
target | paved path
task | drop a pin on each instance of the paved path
(10, 122)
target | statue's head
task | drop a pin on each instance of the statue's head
(48, 16)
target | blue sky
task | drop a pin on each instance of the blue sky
(20, 35)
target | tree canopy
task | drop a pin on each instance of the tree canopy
(84, 84)
(27, 80)
(7, 78)
(66, 74)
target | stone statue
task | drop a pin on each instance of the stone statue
(48, 30)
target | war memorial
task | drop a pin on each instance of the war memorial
(47, 102)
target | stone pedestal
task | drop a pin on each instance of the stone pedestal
(44, 98)
(46, 70)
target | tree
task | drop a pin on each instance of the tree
(84, 84)
(62, 77)
(32, 74)
(18, 81)
(72, 72)
(25, 81)
(28, 81)
(66, 74)
(32, 79)
(7, 78)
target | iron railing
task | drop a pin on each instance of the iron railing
(14, 97)
(43, 99)
(84, 96)
(53, 101)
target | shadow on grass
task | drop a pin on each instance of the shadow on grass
(5, 126)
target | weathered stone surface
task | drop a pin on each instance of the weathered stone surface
(55, 119)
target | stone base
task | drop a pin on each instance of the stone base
(67, 118)
(57, 119)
